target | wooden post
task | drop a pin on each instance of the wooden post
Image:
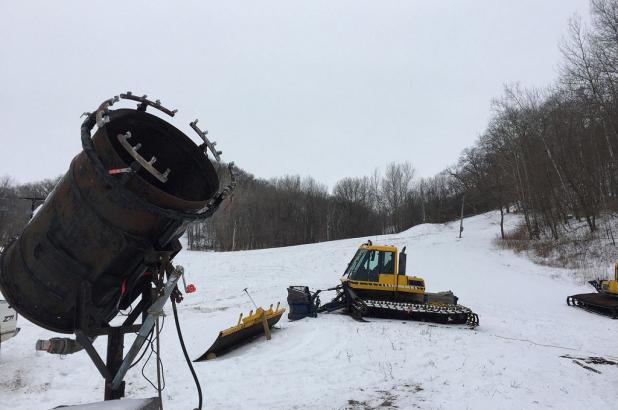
(463, 199)
(158, 358)
(265, 324)
(234, 237)
(423, 203)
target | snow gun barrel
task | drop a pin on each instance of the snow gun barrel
(127, 196)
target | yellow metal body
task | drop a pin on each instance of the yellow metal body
(611, 286)
(387, 282)
(259, 315)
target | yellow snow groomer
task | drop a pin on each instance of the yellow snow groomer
(378, 271)
(608, 287)
(375, 284)
(604, 302)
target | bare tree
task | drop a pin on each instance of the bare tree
(396, 187)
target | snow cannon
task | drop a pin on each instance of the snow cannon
(128, 196)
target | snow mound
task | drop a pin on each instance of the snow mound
(512, 361)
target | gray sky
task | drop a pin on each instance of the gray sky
(322, 88)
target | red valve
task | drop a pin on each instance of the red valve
(123, 287)
(116, 171)
(190, 288)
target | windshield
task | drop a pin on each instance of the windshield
(367, 265)
(357, 263)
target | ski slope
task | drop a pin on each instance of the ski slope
(512, 361)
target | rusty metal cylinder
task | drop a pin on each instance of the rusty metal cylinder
(97, 227)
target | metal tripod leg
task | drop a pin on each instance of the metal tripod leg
(153, 313)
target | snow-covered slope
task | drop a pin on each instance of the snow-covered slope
(513, 360)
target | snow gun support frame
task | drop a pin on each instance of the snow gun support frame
(150, 307)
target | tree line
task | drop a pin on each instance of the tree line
(16, 204)
(549, 154)
(292, 210)
(552, 153)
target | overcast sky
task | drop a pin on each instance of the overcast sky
(322, 88)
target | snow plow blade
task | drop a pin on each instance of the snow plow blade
(243, 332)
(596, 303)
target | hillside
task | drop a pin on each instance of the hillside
(513, 360)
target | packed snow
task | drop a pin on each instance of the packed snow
(513, 360)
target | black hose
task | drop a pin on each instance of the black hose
(184, 351)
(149, 337)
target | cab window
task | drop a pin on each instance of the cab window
(388, 263)
(367, 265)
(355, 269)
